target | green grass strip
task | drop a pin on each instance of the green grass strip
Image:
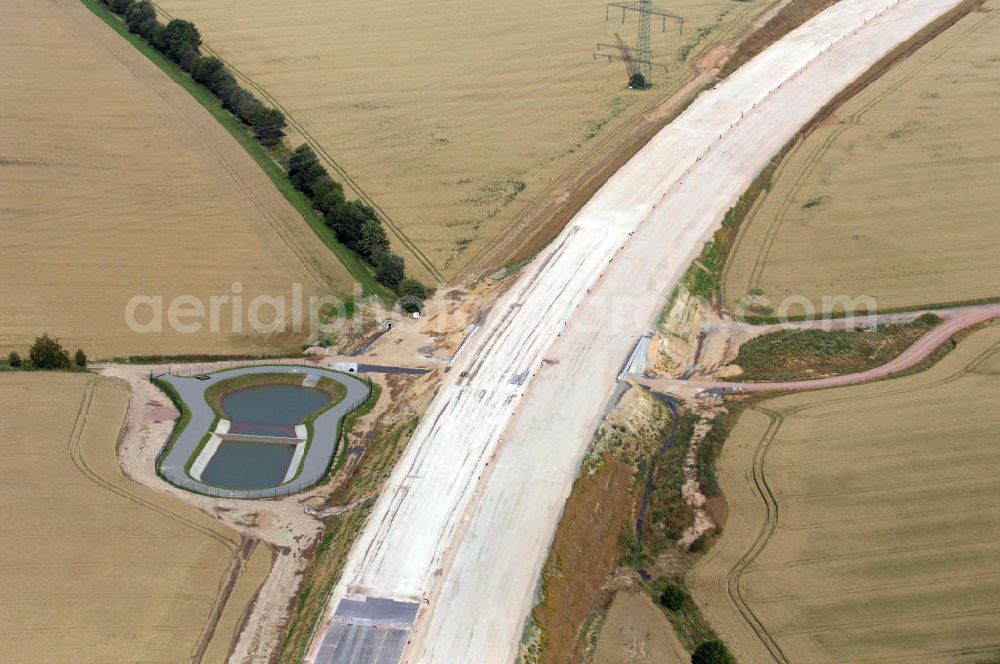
(346, 425)
(201, 446)
(271, 168)
(181, 423)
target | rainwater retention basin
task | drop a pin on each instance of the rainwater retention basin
(271, 410)
(248, 465)
(256, 432)
(259, 447)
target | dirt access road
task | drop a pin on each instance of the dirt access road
(956, 320)
(464, 523)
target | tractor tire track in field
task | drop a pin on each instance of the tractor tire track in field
(239, 554)
(606, 151)
(760, 489)
(526, 219)
(859, 590)
(229, 581)
(734, 579)
(325, 156)
(815, 158)
(137, 68)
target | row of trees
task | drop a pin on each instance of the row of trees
(356, 224)
(180, 41)
(47, 353)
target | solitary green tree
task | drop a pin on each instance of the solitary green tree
(673, 596)
(389, 268)
(154, 35)
(326, 194)
(180, 36)
(304, 169)
(221, 82)
(412, 294)
(141, 18)
(48, 353)
(187, 59)
(347, 220)
(119, 6)
(80, 359)
(14, 360)
(373, 238)
(413, 288)
(204, 69)
(241, 103)
(712, 652)
(269, 126)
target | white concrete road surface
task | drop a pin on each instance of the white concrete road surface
(465, 521)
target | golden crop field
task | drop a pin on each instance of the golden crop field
(114, 182)
(895, 195)
(637, 632)
(93, 567)
(864, 522)
(454, 117)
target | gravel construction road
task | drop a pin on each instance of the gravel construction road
(465, 521)
(956, 321)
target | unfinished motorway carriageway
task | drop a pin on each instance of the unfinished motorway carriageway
(447, 564)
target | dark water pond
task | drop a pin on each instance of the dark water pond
(245, 465)
(271, 410)
(265, 410)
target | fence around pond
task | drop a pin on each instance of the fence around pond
(323, 443)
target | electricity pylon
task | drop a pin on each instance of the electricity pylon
(626, 56)
(644, 49)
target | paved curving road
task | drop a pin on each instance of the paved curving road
(455, 542)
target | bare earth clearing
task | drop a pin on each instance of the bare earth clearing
(96, 568)
(863, 521)
(115, 183)
(895, 195)
(453, 116)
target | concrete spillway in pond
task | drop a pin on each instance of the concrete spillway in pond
(258, 445)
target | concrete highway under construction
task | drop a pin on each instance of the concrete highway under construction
(446, 568)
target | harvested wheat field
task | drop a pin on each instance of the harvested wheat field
(637, 632)
(114, 183)
(94, 568)
(453, 116)
(895, 195)
(864, 522)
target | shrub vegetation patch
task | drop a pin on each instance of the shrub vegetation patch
(803, 354)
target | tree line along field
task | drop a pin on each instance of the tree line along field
(93, 567)
(893, 196)
(116, 183)
(863, 521)
(451, 116)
